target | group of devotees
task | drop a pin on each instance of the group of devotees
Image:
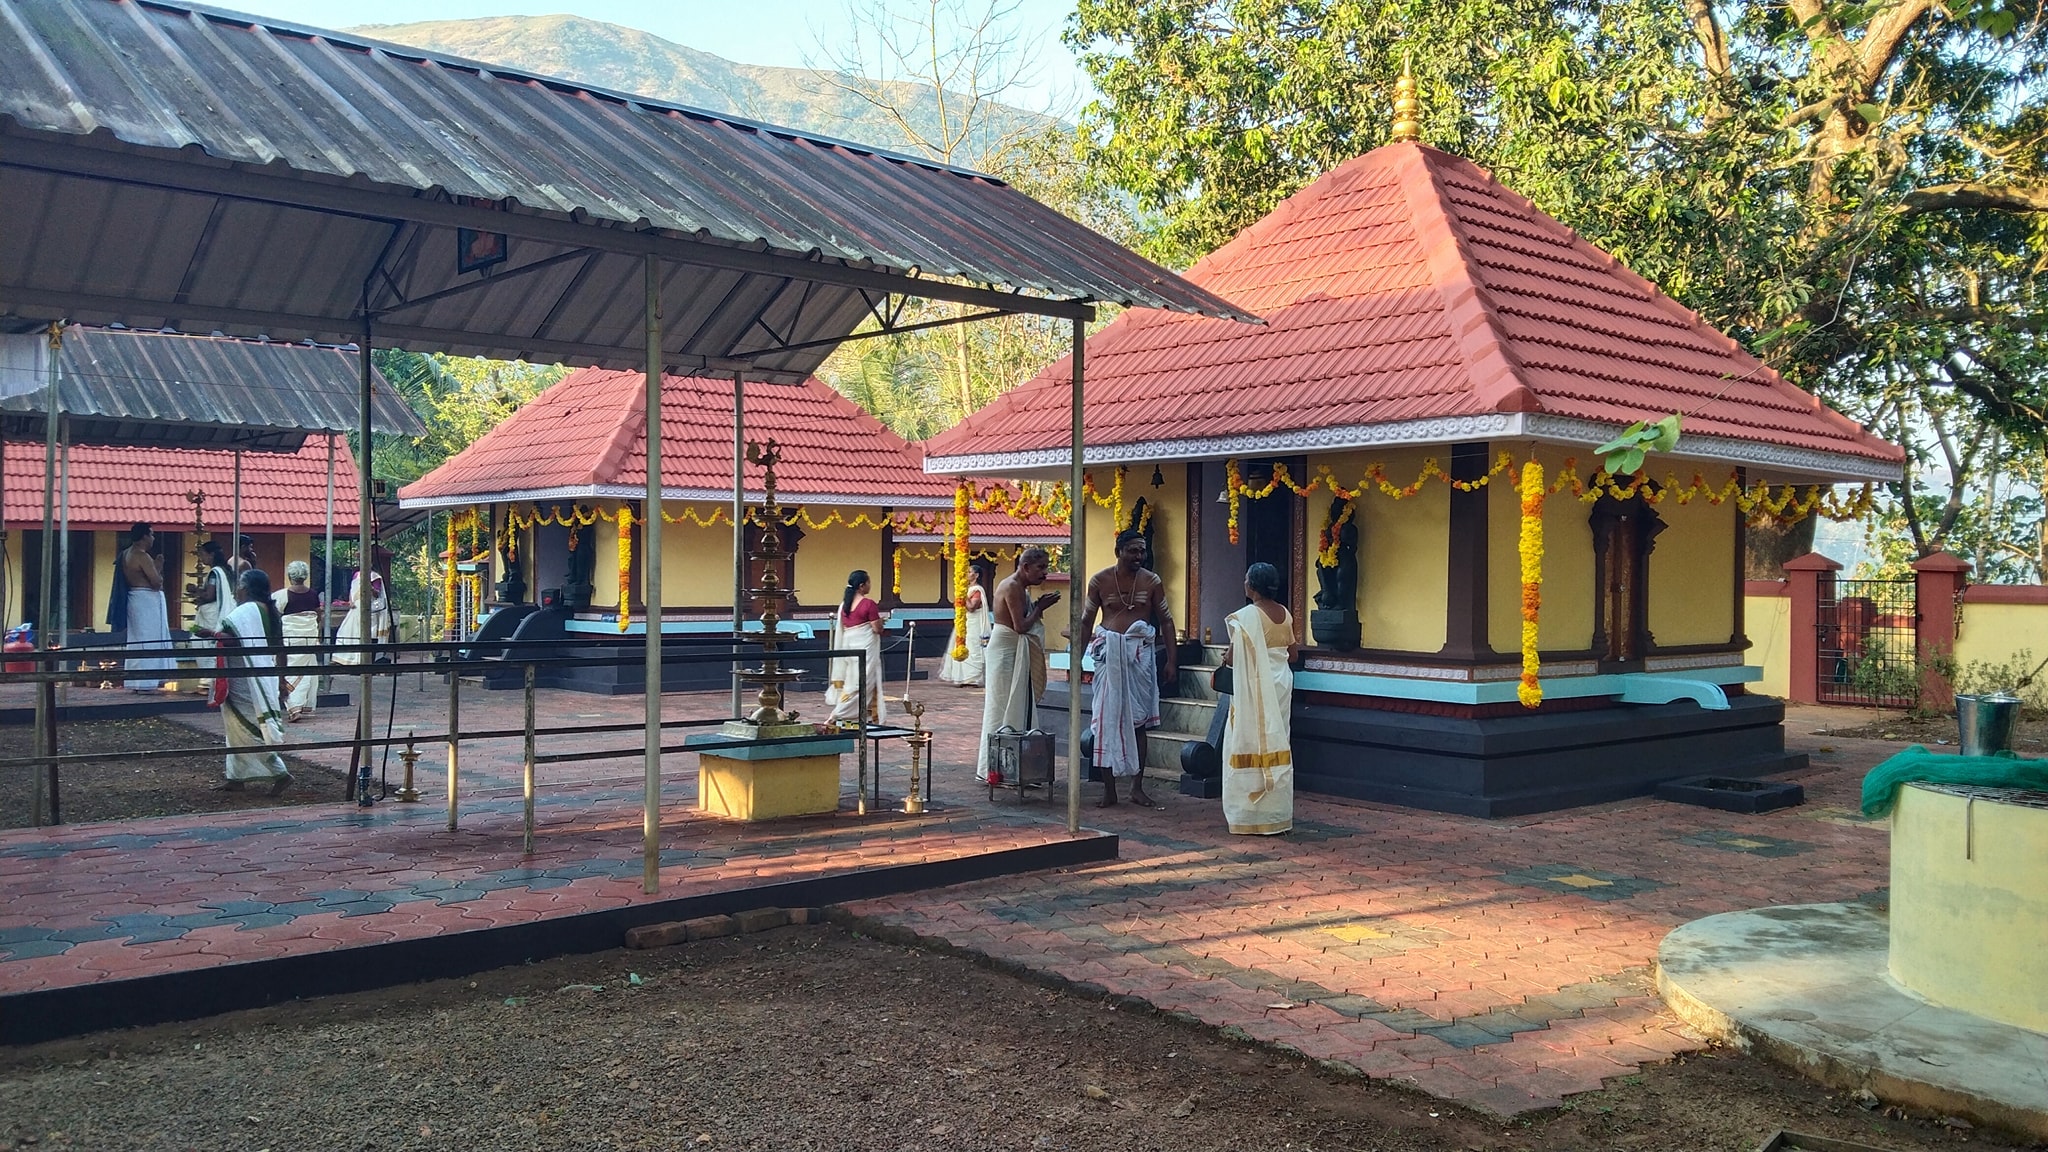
(1132, 649)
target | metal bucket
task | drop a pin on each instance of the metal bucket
(1986, 723)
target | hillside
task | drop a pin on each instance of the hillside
(629, 60)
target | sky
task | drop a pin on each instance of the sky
(786, 33)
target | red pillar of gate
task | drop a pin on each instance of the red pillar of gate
(1803, 576)
(1938, 581)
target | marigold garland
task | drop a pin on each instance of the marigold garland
(1530, 691)
(625, 518)
(1332, 533)
(448, 611)
(962, 499)
(1114, 501)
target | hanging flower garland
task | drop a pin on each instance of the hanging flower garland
(1233, 486)
(1114, 501)
(1530, 691)
(448, 610)
(902, 553)
(625, 518)
(1332, 533)
(961, 499)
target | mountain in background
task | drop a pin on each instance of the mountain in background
(641, 63)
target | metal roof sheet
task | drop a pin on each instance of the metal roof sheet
(172, 165)
(148, 389)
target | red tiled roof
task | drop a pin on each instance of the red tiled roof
(992, 527)
(587, 436)
(1407, 285)
(112, 488)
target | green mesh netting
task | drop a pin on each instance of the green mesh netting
(1916, 763)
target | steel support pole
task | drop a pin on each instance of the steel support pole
(650, 590)
(1077, 583)
(365, 545)
(235, 548)
(739, 526)
(46, 711)
(7, 619)
(327, 556)
(454, 742)
(527, 772)
(63, 542)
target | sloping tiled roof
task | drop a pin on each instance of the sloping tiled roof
(1411, 298)
(115, 487)
(991, 528)
(587, 437)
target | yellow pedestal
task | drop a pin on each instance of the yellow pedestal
(1969, 904)
(767, 789)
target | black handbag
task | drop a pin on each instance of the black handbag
(1221, 682)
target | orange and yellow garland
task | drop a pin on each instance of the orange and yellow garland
(1375, 476)
(625, 518)
(1530, 691)
(961, 502)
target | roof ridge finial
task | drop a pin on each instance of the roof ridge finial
(1406, 126)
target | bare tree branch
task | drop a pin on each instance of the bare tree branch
(2030, 197)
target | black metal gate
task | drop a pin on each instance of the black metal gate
(1869, 643)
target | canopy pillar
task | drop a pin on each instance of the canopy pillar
(739, 525)
(650, 589)
(1077, 583)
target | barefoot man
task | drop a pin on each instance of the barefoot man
(149, 624)
(1135, 622)
(1014, 662)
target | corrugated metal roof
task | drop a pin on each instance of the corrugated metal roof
(146, 389)
(1412, 298)
(167, 164)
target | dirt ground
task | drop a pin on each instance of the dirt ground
(814, 1038)
(2029, 735)
(120, 787)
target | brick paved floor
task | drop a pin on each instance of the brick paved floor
(1501, 964)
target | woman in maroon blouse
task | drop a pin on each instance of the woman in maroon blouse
(857, 624)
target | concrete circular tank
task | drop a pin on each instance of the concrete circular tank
(1969, 900)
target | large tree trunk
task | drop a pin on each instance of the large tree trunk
(1772, 544)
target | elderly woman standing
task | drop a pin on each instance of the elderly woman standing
(857, 624)
(368, 604)
(250, 714)
(299, 608)
(1258, 757)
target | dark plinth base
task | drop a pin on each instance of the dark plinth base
(1201, 787)
(1516, 765)
(1733, 795)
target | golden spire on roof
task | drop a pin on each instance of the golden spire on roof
(1406, 126)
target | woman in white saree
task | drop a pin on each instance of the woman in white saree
(1258, 760)
(298, 606)
(250, 714)
(377, 610)
(857, 624)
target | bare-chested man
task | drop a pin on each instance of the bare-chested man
(1014, 662)
(1135, 624)
(149, 623)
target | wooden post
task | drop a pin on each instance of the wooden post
(1803, 577)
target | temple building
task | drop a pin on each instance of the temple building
(283, 503)
(550, 488)
(1430, 336)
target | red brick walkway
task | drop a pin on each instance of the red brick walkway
(1502, 964)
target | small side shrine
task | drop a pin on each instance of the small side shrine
(1495, 621)
(550, 508)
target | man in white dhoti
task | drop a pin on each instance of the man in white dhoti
(149, 621)
(1014, 661)
(250, 715)
(1135, 627)
(1258, 759)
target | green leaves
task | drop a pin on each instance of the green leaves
(1624, 455)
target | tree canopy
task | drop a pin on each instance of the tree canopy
(1857, 191)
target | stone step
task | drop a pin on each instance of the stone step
(1184, 715)
(1194, 682)
(1162, 750)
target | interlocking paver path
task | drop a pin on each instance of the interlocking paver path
(1502, 964)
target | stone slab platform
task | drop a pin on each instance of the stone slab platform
(138, 922)
(1806, 985)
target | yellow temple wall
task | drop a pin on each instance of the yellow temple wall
(924, 581)
(1169, 529)
(1403, 549)
(604, 572)
(823, 558)
(696, 560)
(1692, 574)
(105, 547)
(1566, 621)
